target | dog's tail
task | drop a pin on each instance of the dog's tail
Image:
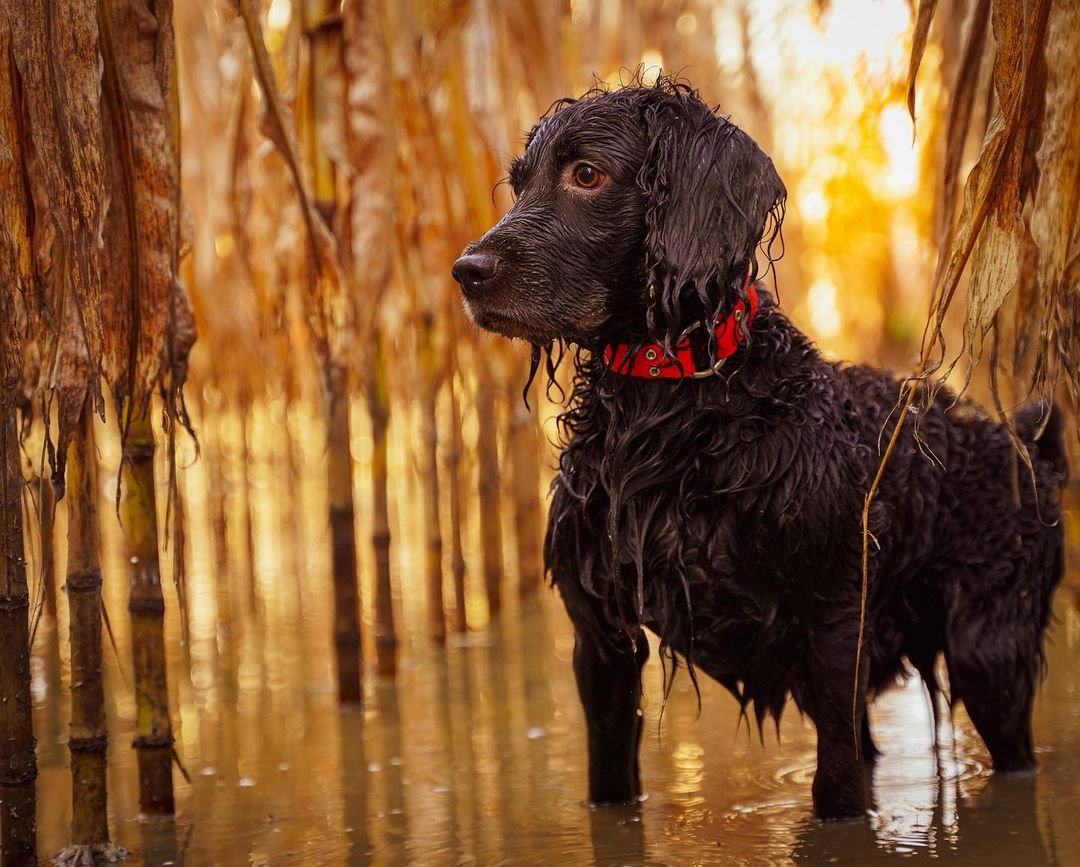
(1047, 434)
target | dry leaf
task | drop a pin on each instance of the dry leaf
(1056, 212)
(1001, 243)
(149, 327)
(918, 46)
(989, 179)
(328, 311)
(961, 103)
(63, 144)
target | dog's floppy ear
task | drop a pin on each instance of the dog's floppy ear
(709, 191)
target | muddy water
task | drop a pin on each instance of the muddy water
(476, 753)
(477, 756)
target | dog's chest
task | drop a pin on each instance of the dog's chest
(688, 563)
(711, 522)
(691, 518)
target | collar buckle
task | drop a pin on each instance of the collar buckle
(651, 362)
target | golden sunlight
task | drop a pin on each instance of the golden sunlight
(302, 569)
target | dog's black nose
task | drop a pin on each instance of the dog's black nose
(474, 270)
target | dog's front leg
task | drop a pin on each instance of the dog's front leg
(839, 784)
(609, 683)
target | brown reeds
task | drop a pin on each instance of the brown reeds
(371, 207)
(1020, 204)
(54, 132)
(524, 448)
(488, 491)
(248, 592)
(146, 603)
(18, 761)
(347, 644)
(421, 231)
(378, 396)
(46, 509)
(213, 452)
(328, 309)
(428, 365)
(322, 119)
(88, 739)
(473, 171)
(149, 331)
(454, 495)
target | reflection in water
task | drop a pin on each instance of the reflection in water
(476, 754)
(618, 836)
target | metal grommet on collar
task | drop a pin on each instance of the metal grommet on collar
(676, 359)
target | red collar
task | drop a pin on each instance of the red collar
(649, 361)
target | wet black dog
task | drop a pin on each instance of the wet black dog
(712, 481)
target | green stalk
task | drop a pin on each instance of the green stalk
(88, 740)
(153, 728)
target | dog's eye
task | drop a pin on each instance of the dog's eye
(588, 177)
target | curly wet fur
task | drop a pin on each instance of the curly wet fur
(723, 514)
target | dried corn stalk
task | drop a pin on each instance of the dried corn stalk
(18, 770)
(326, 304)
(991, 232)
(89, 739)
(148, 322)
(146, 603)
(1055, 219)
(59, 127)
(369, 150)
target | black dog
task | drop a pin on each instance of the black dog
(715, 465)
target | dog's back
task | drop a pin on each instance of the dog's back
(971, 549)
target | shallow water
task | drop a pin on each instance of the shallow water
(476, 755)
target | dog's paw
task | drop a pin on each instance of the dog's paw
(834, 803)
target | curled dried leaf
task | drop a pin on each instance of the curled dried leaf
(961, 105)
(1055, 218)
(918, 47)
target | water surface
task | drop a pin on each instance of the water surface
(476, 755)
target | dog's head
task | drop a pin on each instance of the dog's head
(637, 212)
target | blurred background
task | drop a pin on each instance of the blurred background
(439, 102)
(363, 662)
